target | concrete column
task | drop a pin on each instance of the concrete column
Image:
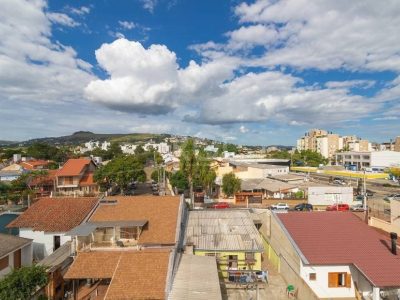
(375, 293)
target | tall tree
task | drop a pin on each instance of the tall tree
(204, 174)
(188, 164)
(230, 184)
(21, 283)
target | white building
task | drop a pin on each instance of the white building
(368, 159)
(15, 252)
(48, 220)
(330, 195)
(335, 254)
(128, 148)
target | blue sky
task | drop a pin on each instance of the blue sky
(256, 72)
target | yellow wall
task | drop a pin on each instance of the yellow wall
(340, 173)
(271, 255)
(223, 266)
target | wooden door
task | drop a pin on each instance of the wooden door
(17, 259)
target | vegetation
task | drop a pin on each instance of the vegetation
(196, 168)
(301, 158)
(21, 283)
(120, 171)
(395, 172)
(230, 184)
(46, 151)
(179, 180)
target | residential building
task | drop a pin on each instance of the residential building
(11, 172)
(269, 189)
(228, 235)
(49, 219)
(256, 171)
(128, 148)
(368, 159)
(43, 185)
(359, 146)
(344, 258)
(327, 145)
(15, 252)
(34, 165)
(128, 248)
(75, 178)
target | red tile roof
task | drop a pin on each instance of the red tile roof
(55, 214)
(87, 179)
(134, 274)
(33, 164)
(44, 180)
(332, 238)
(74, 167)
(161, 212)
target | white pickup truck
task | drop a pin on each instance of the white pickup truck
(280, 206)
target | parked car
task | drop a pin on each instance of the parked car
(303, 207)
(357, 207)
(338, 182)
(220, 205)
(392, 197)
(359, 198)
(338, 207)
(370, 193)
(280, 206)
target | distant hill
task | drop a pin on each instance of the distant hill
(5, 143)
(81, 137)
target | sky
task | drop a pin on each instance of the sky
(256, 73)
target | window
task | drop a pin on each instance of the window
(57, 242)
(313, 276)
(339, 280)
(233, 261)
(128, 233)
(4, 263)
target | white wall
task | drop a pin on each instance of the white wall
(43, 243)
(329, 195)
(320, 285)
(385, 158)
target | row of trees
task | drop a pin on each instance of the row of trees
(301, 158)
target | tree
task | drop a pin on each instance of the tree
(178, 180)
(187, 163)
(21, 283)
(139, 150)
(230, 184)
(114, 150)
(155, 175)
(120, 171)
(205, 176)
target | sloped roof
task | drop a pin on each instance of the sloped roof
(73, 167)
(161, 214)
(46, 179)
(55, 214)
(332, 238)
(266, 184)
(133, 274)
(87, 179)
(32, 164)
(10, 243)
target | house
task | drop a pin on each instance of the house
(76, 178)
(332, 255)
(15, 252)
(228, 235)
(43, 185)
(33, 165)
(11, 172)
(57, 264)
(48, 219)
(269, 188)
(126, 237)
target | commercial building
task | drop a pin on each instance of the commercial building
(368, 159)
(330, 195)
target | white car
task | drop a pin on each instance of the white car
(280, 206)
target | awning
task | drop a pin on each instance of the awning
(87, 228)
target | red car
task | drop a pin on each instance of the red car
(338, 207)
(220, 205)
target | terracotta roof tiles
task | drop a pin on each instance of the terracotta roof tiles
(55, 214)
(74, 167)
(160, 212)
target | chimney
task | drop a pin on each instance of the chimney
(393, 237)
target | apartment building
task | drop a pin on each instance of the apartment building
(397, 144)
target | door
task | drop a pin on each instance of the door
(57, 242)
(17, 259)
